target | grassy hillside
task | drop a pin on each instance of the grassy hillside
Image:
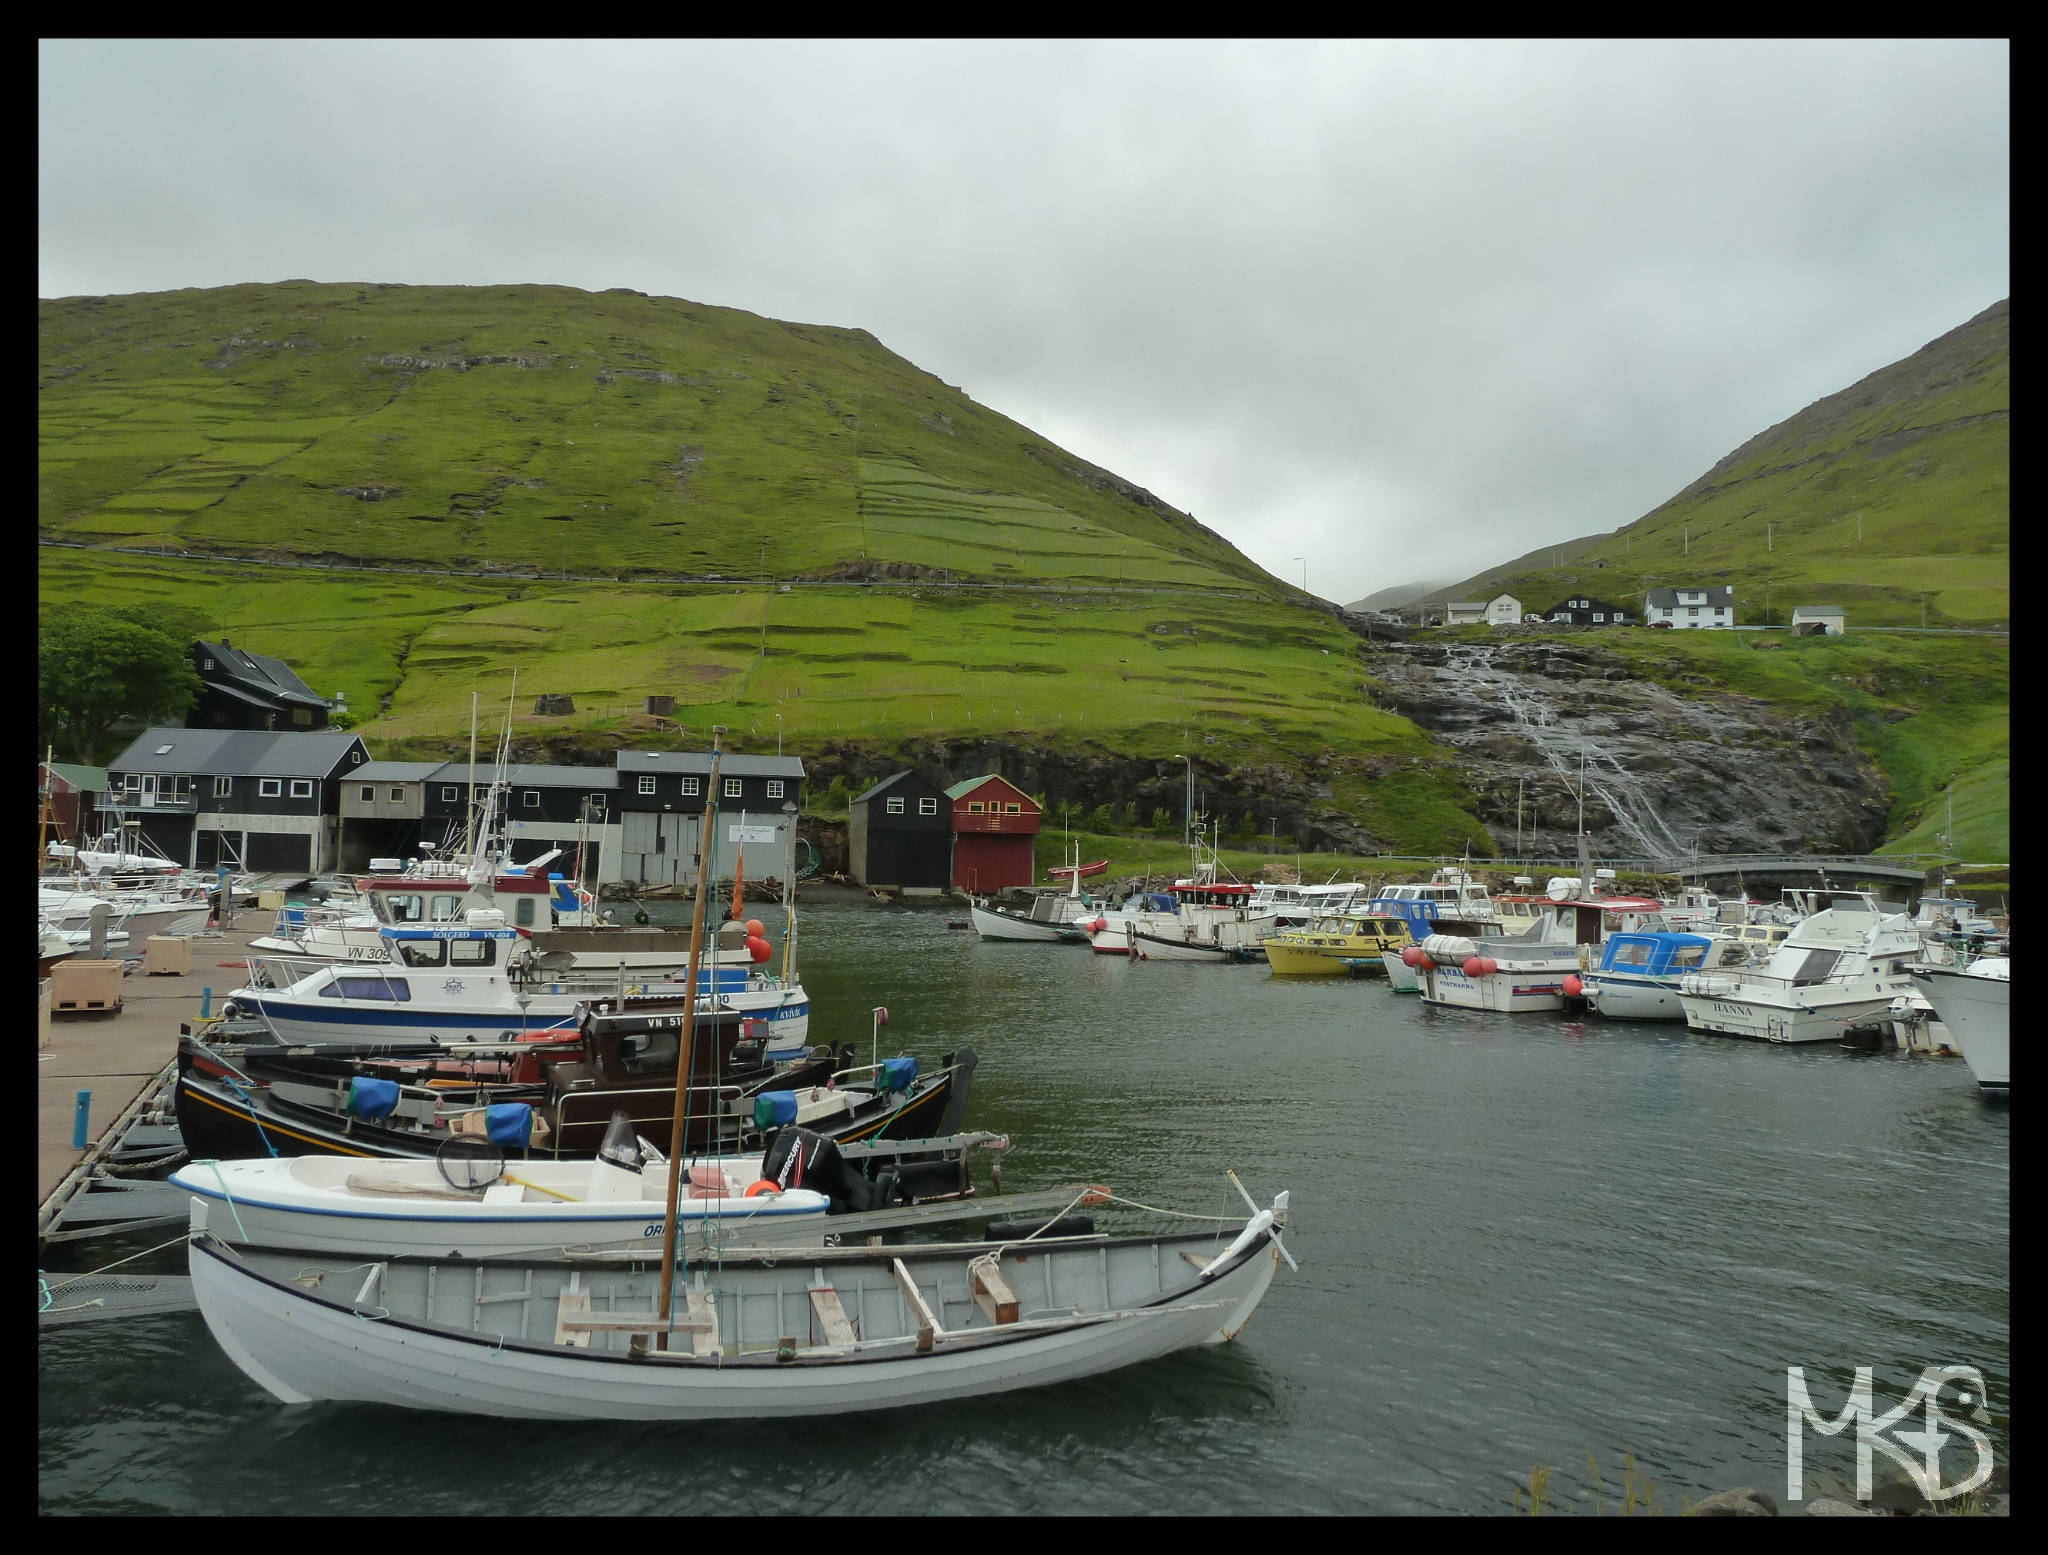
(544, 428)
(1239, 684)
(1891, 498)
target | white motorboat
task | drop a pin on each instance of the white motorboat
(1512, 973)
(1839, 970)
(757, 1333)
(476, 982)
(1054, 917)
(1195, 921)
(1639, 973)
(1975, 1004)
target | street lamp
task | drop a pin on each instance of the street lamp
(778, 734)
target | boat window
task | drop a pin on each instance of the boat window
(406, 909)
(1815, 967)
(649, 1052)
(1688, 955)
(523, 915)
(424, 952)
(392, 988)
(447, 908)
(377, 907)
(473, 952)
(1632, 953)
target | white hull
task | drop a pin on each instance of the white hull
(1821, 1015)
(1505, 992)
(323, 1204)
(1006, 926)
(486, 1338)
(1978, 1014)
(1400, 975)
(1162, 937)
(1620, 997)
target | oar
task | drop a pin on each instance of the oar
(1254, 1205)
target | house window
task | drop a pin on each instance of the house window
(732, 788)
(532, 799)
(692, 786)
(222, 787)
(927, 807)
(302, 788)
(132, 781)
(895, 806)
(301, 715)
(1693, 611)
(1597, 616)
(398, 796)
(269, 788)
(369, 793)
(647, 785)
(775, 788)
(209, 663)
(354, 758)
(1016, 809)
(450, 793)
(974, 807)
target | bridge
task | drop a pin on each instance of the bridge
(1839, 869)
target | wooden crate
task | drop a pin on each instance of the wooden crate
(85, 987)
(167, 956)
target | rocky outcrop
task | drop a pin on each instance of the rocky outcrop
(1668, 765)
(1736, 1503)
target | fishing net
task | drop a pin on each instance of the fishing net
(470, 1161)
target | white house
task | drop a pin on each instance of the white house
(1692, 606)
(1817, 621)
(1464, 612)
(1503, 610)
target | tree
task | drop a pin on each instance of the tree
(1164, 823)
(97, 667)
(1103, 819)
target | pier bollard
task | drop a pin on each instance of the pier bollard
(205, 1003)
(80, 1120)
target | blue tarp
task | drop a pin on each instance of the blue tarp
(721, 979)
(509, 1123)
(372, 1099)
(772, 1109)
(897, 1073)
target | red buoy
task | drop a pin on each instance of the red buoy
(1412, 956)
(1475, 966)
(759, 948)
(1573, 986)
(1488, 965)
(757, 929)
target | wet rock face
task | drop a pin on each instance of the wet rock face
(1664, 762)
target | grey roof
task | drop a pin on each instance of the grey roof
(1815, 610)
(731, 764)
(1718, 595)
(272, 675)
(395, 771)
(894, 777)
(1465, 604)
(240, 752)
(530, 775)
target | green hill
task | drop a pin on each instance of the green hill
(1892, 496)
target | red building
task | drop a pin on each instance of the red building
(995, 827)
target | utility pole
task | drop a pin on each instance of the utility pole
(1518, 818)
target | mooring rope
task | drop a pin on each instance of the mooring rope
(73, 1279)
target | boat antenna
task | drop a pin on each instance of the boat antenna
(684, 1057)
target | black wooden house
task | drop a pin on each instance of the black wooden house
(662, 801)
(900, 833)
(259, 801)
(1584, 610)
(243, 690)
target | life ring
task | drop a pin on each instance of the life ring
(640, 915)
(763, 1185)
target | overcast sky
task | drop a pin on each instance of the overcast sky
(1403, 309)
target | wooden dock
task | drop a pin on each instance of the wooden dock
(119, 1057)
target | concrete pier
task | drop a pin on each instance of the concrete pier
(116, 1056)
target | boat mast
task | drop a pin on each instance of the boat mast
(667, 1305)
(469, 811)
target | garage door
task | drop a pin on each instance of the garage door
(273, 853)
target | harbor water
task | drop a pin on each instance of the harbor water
(1523, 1241)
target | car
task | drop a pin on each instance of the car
(1532, 620)
(1663, 625)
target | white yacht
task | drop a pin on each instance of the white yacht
(1975, 1005)
(1840, 969)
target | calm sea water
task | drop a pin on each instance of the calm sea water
(1522, 1240)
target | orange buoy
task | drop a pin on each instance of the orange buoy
(1573, 986)
(764, 1185)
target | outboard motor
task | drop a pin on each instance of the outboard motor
(615, 1174)
(799, 1158)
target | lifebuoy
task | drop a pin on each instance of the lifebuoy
(764, 1185)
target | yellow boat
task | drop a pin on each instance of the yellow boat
(1333, 946)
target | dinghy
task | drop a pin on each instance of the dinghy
(755, 1333)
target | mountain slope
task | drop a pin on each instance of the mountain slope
(543, 428)
(1891, 496)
